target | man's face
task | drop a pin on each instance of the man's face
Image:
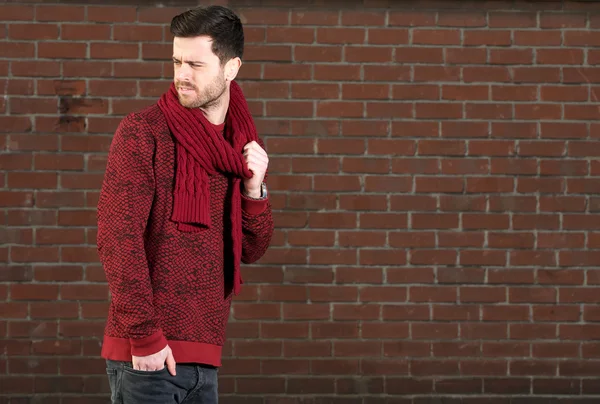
(198, 74)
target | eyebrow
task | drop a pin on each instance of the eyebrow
(189, 61)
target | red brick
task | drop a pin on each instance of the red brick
(61, 87)
(330, 109)
(462, 19)
(17, 12)
(434, 367)
(412, 18)
(136, 70)
(289, 108)
(385, 109)
(364, 128)
(365, 91)
(466, 56)
(146, 33)
(112, 14)
(151, 14)
(314, 91)
(60, 13)
(289, 35)
(341, 35)
(372, 73)
(88, 69)
(436, 37)
(363, 18)
(33, 31)
(486, 74)
(54, 310)
(112, 88)
(312, 53)
(490, 38)
(32, 180)
(35, 292)
(58, 162)
(438, 111)
(99, 50)
(415, 54)
(263, 17)
(356, 348)
(79, 32)
(346, 312)
(314, 17)
(315, 165)
(360, 54)
(261, 385)
(17, 50)
(269, 53)
(285, 71)
(512, 20)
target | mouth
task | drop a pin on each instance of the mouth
(185, 90)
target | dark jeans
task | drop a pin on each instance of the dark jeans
(193, 384)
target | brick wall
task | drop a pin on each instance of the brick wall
(434, 175)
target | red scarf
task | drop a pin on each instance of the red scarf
(202, 151)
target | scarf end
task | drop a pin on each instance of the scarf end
(190, 212)
(237, 284)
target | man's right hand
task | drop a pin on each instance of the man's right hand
(155, 361)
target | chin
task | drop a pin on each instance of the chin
(187, 101)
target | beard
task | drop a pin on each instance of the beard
(208, 97)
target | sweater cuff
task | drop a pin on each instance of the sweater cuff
(254, 206)
(148, 345)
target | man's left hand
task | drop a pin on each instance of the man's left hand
(258, 161)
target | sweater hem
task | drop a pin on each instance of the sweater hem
(119, 349)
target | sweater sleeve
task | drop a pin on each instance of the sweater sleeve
(257, 225)
(123, 210)
(257, 228)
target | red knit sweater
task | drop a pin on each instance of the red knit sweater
(166, 285)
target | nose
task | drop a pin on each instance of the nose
(183, 72)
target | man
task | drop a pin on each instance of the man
(183, 202)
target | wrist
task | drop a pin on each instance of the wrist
(256, 193)
(252, 193)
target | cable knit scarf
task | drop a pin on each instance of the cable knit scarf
(201, 151)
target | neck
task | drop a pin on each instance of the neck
(217, 111)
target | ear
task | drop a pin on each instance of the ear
(232, 67)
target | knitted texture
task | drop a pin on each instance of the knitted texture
(167, 284)
(201, 151)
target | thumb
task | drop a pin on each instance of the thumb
(171, 362)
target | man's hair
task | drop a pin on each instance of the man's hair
(221, 24)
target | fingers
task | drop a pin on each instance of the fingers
(257, 160)
(147, 366)
(155, 361)
(254, 146)
(256, 156)
(137, 363)
(251, 145)
(253, 168)
(171, 363)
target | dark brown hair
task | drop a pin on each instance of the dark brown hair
(221, 24)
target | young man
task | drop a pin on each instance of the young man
(183, 202)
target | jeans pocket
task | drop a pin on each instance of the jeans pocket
(129, 369)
